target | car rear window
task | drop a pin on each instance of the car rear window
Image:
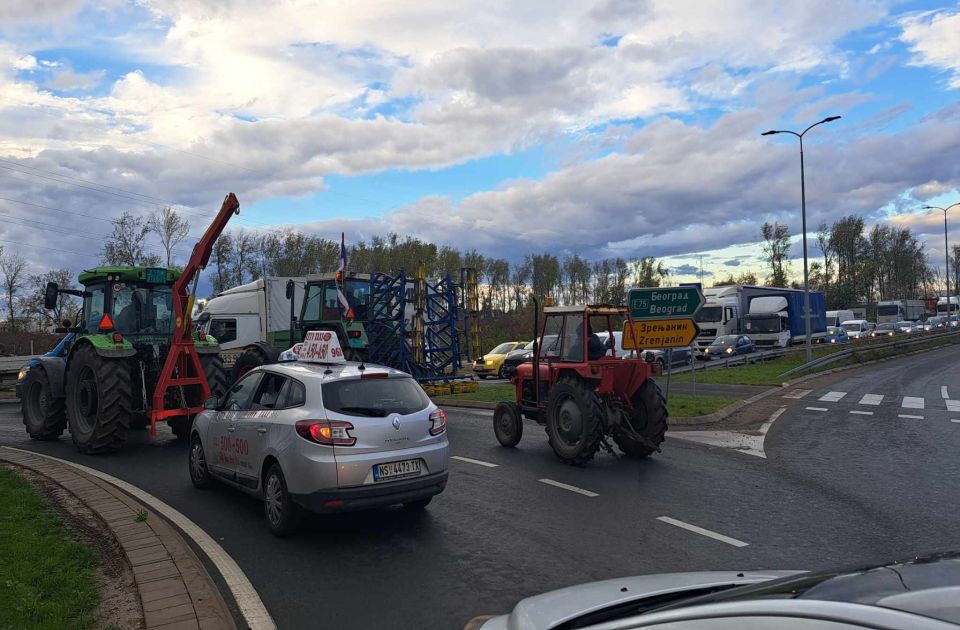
(374, 397)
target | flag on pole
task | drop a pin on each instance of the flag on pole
(342, 303)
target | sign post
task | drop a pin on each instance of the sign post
(663, 317)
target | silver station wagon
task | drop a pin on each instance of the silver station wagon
(325, 437)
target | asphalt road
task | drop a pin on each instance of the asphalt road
(836, 487)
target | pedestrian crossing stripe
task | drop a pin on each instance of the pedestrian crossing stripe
(912, 402)
(953, 405)
(797, 394)
(871, 399)
(833, 396)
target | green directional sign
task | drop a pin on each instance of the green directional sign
(664, 302)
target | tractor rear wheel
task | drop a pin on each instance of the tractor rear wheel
(649, 419)
(217, 380)
(574, 421)
(251, 358)
(507, 424)
(98, 401)
(43, 415)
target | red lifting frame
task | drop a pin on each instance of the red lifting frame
(183, 357)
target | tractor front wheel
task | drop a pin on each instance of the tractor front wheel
(574, 421)
(507, 424)
(649, 419)
(43, 415)
(98, 401)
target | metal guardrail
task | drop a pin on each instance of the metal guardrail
(902, 342)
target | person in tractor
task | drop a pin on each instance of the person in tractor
(130, 314)
(596, 349)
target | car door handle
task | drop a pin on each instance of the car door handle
(261, 430)
(231, 429)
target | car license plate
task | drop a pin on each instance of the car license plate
(396, 470)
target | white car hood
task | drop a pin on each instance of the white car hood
(555, 607)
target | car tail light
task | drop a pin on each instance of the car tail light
(329, 432)
(374, 375)
(438, 422)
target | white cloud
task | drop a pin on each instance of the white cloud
(66, 79)
(932, 37)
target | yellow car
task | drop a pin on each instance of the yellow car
(491, 364)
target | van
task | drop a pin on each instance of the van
(857, 328)
(836, 318)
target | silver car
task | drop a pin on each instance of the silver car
(322, 437)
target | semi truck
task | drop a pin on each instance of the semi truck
(776, 319)
(725, 308)
(254, 314)
(893, 311)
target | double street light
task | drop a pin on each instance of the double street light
(946, 253)
(803, 210)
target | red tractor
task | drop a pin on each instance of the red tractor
(582, 390)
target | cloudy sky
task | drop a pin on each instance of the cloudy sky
(602, 127)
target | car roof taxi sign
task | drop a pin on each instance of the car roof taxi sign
(321, 346)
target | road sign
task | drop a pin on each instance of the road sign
(660, 333)
(664, 303)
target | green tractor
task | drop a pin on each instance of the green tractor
(130, 358)
(100, 379)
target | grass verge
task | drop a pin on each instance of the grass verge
(46, 576)
(679, 405)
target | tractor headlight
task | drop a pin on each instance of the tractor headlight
(22, 374)
(833, 341)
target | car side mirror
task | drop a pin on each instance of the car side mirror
(212, 403)
(50, 295)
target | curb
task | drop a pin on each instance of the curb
(175, 589)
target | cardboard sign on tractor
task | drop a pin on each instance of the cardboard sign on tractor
(319, 346)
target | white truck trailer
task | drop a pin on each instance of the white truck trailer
(893, 311)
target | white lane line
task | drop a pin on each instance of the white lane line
(251, 606)
(909, 417)
(832, 396)
(957, 420)
(474, 461)
(817, 409)
(557, 484)
(702, 531)
(871, 399)
(953, 405)
(912, 402)
(861, 413)
(943, 391)
(797, 394)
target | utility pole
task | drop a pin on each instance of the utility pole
(946, 254)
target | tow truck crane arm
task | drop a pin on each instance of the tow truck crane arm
(182, 367)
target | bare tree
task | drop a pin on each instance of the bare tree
(776, 247)
(125, 246)
(170, 227)
(33, 302)
(12, 267)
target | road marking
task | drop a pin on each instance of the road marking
(557, 484)
(912, 402)
(702, 531)
(474, 461)
(251, 606)
(817, 409)
(957, 420)
(943, 391)
(909, 417)
(871, 399)
(861, 413)
(832, 396)
(797, 394)
(747, 444)
(953, 405)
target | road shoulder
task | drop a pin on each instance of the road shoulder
(175, 589)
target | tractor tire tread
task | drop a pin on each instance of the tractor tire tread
(594, 420)
(649, 397)
(114, 392)
(54, 418)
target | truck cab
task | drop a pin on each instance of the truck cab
(719, 315)
(768, 322)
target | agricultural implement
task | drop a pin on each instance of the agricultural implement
(131, 358)
(581, 391)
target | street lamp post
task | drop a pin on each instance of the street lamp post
(803, 212)
(946, 254)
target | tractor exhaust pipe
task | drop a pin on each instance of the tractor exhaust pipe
(536, 350)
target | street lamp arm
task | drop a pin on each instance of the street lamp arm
(775, 131)
(825, 120)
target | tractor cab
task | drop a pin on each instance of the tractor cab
(131, 301)
(323, 309)
(582, 390)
